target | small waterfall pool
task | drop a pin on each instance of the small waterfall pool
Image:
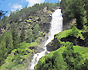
(56, 27)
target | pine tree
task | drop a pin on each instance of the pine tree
(22, 36)
(15, 35)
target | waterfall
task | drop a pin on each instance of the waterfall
(56, 27)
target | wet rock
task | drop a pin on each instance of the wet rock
(52, 10)
(40, 50)
(53, 45)
(46, 52)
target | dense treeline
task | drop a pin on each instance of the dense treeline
(30, 11)
(76, 9)
(21, 26)
(25, 13)
(10, 39)
(6, 45)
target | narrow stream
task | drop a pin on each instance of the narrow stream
(56, 27)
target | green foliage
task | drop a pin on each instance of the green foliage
(85, 65)
(71, 58)
(35, 31)
(22, 36)
(72, 32)
(30, 11)
(2, 13)
(19, 57)
(15, 35)
(6, 45)
(52, 61)
(21, 27)
(65, 58)
(73, 9)
(14, 16)
(29, 36)
(59, 62)
(29, 21)
(70, 5)
(32, 35)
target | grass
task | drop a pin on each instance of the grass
(83, 51)
(72, 32)
(16, 60)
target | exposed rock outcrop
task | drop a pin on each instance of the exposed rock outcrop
(54, 45)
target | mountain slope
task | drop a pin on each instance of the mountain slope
(69, 47)
(21, 33)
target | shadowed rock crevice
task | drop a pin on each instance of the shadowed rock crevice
(75, 41)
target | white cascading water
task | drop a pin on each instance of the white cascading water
(56, 27)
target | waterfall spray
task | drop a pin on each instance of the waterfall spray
(56, 27)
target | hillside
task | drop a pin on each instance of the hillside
(21, 33)
(69, 47)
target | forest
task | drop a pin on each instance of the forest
(22, 32)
